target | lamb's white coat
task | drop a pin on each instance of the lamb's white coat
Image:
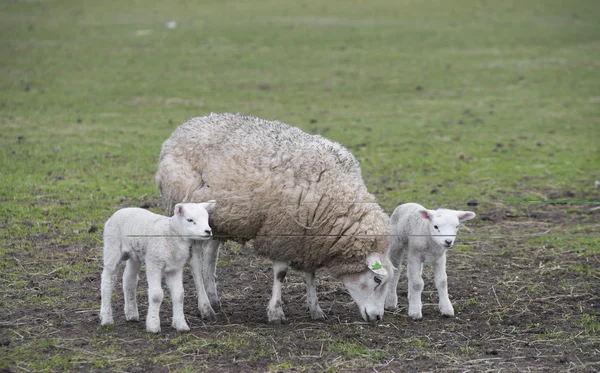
(139, 236)
(422, 236)
(300, 198)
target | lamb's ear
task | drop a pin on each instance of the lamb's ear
(209, 205)
(426, 214)
(464, 215)
(179, 209)
(375, 265)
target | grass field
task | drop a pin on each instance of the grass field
(486, 105)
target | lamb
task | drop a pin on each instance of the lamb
(139, 236)
(422, 236)
(299, 198)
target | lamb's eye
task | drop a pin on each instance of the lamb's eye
(191, 221)
(377, 280)
(436, 227)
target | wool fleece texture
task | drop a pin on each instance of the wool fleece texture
(299, 197)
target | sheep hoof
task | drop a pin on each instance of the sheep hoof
(208, 315)
(181, 328)
(416, 316)
(132, 317)
(216, 305)
(153, 329)
(317, 315)
(277, 322)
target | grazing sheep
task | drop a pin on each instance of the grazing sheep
(139, 236)
(422, 236)
(300, 198)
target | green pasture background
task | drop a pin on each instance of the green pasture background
(442, 102)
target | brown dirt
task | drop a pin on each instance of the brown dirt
(521, 305)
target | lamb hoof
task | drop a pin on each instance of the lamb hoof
(208, 314)
(153, 329)
(277, 322)
(132, 317)
(416, 316)
(391, 303)
(106, 321)
(182, 328)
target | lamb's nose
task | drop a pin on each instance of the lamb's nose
(448, 242)
(208, 231)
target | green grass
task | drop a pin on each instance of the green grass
(441, 102)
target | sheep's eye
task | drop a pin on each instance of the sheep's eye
(191, 221)
(377, 280)
(436, 227)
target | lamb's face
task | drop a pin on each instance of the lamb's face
(370, 287)
(193, 219)
(443, 224)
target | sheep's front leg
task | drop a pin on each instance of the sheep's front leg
(209, 272)
(316, 313)
(415, 287)
(174, 281)
(206, 311)
(275, 308)
(130, 282)
(155, 297)
(441, 283)
(395, 255)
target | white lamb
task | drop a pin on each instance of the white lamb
(300, 198)
(422, 236)
(163, 244)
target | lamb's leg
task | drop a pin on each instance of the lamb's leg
(130, 282)
(109, 279)
(275, 308)
(206, 311)
(316, 313)
(155, 297)
(209, 272)
(441, 283)
(174, 281)
(415, 287)
(395, 255)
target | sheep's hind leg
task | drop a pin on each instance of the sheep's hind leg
(396, 255)
(206, 310)
(155, 297)
(415, 288)
(275, 308)
(174, 281)
(209, 272)
(130, 282)
(441, 283)
(316, 313)
(109, 279)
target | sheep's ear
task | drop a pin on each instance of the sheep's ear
(179, 209)
(465, 215)
(375, 265)
(209, 205)
(425, 213)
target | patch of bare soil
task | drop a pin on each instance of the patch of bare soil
(521, 305)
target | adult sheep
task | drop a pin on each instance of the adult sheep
(300, 198)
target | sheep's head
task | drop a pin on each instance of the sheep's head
(192, 219)
(369, 288)
(443, 224)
